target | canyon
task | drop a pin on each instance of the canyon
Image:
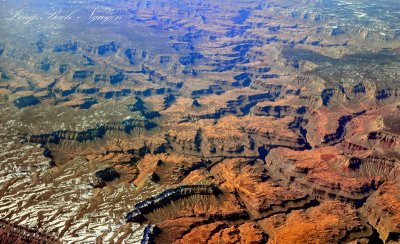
(200, 122)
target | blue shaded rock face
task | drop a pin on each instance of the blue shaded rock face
(107, 48)
(359, 88)
(242, 79)
(82, 74)
(63, 68)
(107, 174)
(149, 233)
(190, 59)
(337, 31)
(196, 103)
(117, 78)
(27, 101)
(87, 104)
(130, 55)
(66, 47)
(242, 17)
(326, 96)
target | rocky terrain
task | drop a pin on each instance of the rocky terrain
(200, 121)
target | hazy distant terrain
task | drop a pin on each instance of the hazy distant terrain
(200, 121)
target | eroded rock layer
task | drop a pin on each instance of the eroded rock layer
(198, 121)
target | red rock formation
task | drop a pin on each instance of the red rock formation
(382, 210)
(331, 221)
